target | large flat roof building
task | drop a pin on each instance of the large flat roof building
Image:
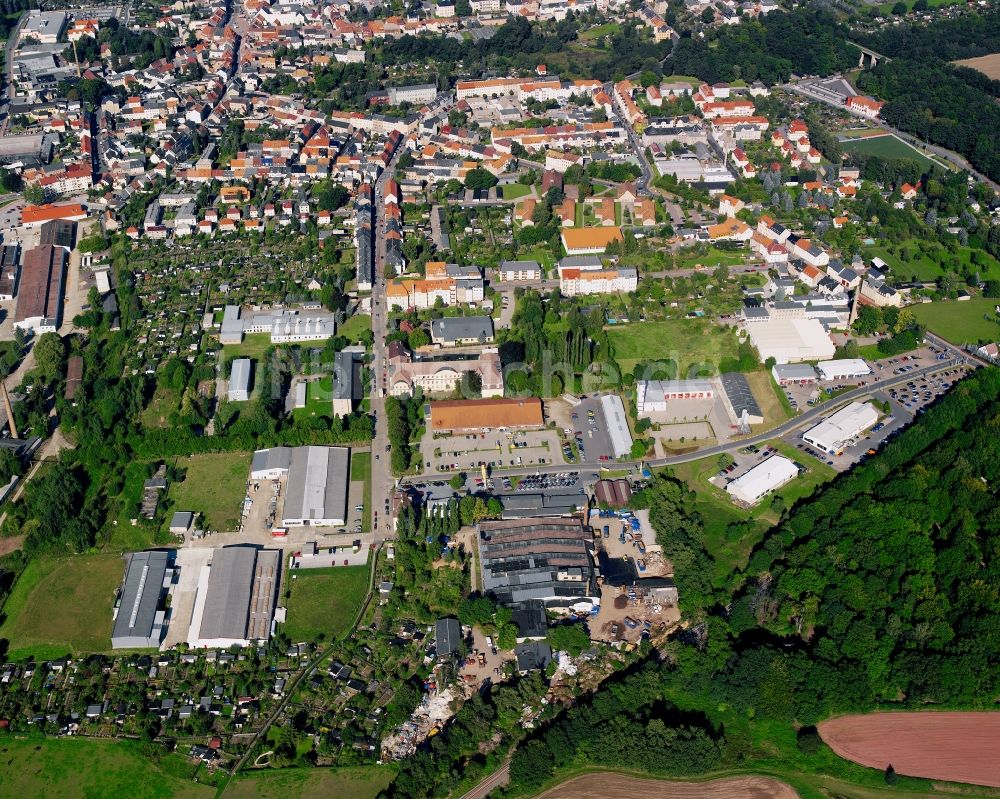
(752, 486)
(236, 597)
(791, 340)
(239, 380)
(843, 369)
(652, 396)
(545, 559)
(139, 618)
(833, 433)
(316, 486)
(40, 293)
(616, 422)
(458, 415)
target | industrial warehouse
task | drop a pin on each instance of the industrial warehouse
(752, 486)
(236, 597)
(833, 434)
(140, 615)
(316, 483)
(548, 559)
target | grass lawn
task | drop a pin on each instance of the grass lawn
(361, 782)
(718, 511)
(514, 191)
(601, 30)
(319, 398)
(888, 146)
(355, 326)
(770, 397)
(960, 322)
(62, 605)
(713, 257)
(324, 601)
(926, 262)
(164, 402)
(254, 345)
(693, 344)
(361, 469)
(214, 484)
(543, 255)
(96, 769)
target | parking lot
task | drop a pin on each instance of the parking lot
(466, 452)
(590, 431)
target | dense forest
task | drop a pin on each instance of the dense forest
(931, 100)
(965, 36)
(803, 42)
(879, 591)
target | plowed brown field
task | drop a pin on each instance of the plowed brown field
(601, 786)
(958, 747)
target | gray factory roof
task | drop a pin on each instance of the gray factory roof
(347, 375)
(317, 483)
(141, 595)
(447, 636)
(737, 388)
(270, 459)
(242, 584)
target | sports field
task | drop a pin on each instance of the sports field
(695, 345)
(95, 769)
(968, 322)
(324, 601)
(316, 783)
(886, 146)
(214, 484)
(62, 605)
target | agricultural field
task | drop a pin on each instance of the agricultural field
(886, 146)
(695, 345)
(95, 769)
(315, 783)
(600, 786)
(989, 65)
(953, 746)
(214, 485)
(966, 322)
(62, 605)
(324, 601)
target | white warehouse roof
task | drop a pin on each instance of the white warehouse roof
(762, 479)
(843, 367)
(617, 424)
(830, 434)
(791, 340)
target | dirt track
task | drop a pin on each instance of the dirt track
(958, 747)
(602, 786)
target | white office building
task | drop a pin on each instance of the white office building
(832, 434)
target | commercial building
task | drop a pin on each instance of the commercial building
(140, 617)
(40, 294)
(652, 396)
(485, 414)
(787, 374)
(235, 600)
(791, 340)
(45, 26)
(442, 376)
(590, 240)
(752, 486)
(316, 482)
(33, 216)
(843, 369)
(26, 149)
(833, 433)
(545, 559)
(616, 423)
(456, 330)
(239, 380)
(739, 396)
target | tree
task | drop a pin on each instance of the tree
(480, 179)
(10, 180)
(899, 9)
(708, 15)
(418, 338)
(457, 481)
(50, 355)
(34, 194)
